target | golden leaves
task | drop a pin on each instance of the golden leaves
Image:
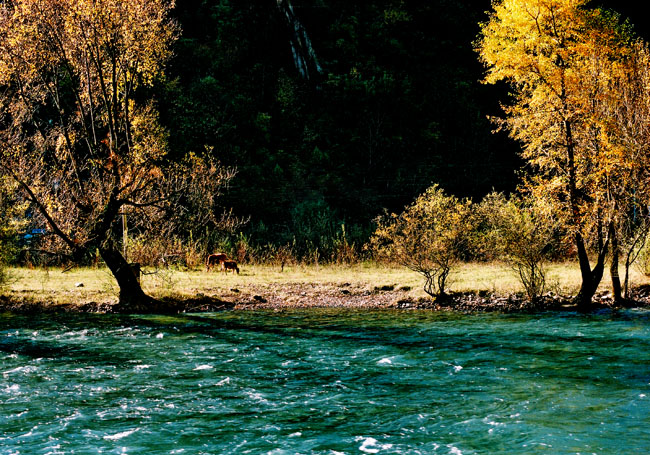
(72, 70)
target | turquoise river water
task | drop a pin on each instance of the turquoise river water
(326, 382)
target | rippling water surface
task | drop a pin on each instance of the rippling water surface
(326, 382)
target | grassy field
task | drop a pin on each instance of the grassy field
(90, 284)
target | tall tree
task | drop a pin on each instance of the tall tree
(79, 128)
(554, 54)
(624, 120)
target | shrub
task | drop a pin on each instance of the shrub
(521, 231)
(159, 251)
(343, 252)
(427, 237)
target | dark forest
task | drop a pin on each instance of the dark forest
(394, 105)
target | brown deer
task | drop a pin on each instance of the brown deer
(229, 265)
(214, 260)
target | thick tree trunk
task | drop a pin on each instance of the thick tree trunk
(132, 297)
(590, 278)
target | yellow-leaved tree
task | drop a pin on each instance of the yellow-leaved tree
(79, 130)
(624, 121)
(559, 57)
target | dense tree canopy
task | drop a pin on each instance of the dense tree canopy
(79, 130)
(572, 69)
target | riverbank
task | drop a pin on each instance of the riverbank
(477, 287)
(298, 295)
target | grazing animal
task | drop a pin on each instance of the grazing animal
(215, 259)
(229, 265)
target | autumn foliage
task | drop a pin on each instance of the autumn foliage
(521, 231)
(79, 128)
(428, 237)
(572, 70)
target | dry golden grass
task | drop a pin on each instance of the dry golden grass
(53, 285)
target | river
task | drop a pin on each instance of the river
(326, 382)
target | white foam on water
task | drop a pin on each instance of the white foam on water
(142, 367)
(371, 445)
(121, 435)
(160, 335)
(454, 450)
(55, 450)
(339, 385)
(15, 388)
(489, 421)
(66, 420)
(30, 433)
(15, 416)
(456, 368)
(13, 370)
(224, 381)
(256, 396)
(23, 369)
(385, 361)
(203, 367)
(297, 434)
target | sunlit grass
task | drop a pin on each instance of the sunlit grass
(55, 286)
(561, 277)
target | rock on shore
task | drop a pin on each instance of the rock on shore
(330, 295)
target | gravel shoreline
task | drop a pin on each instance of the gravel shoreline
(327, 295)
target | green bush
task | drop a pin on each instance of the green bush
(427, 237)
(521, 231)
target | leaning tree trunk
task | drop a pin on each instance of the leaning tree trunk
(132, 297)
(590, 278)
